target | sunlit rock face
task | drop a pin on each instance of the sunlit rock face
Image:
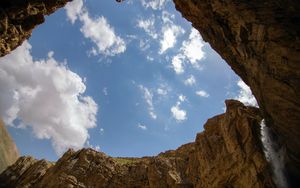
(19, 17)
(8, 150)
(261, 43)
(227, 154)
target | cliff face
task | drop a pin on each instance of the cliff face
(261, 42)
(19, 17)
(8, 150)
(227, 154)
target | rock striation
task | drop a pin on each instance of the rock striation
(261, 43)
(227, 154)
(8, 150)
(19, 17)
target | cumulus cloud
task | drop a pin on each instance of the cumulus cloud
(143, 127)
(245, 94)
(190, 81)
(97, 30)
(192, 48)
(154, 4)
(148, 96)
(46, 96)
(202, 93)
(177, 64)
(73, 9)
(190, 52)
(170, 34)
(179, 114)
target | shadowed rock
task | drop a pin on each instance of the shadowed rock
(260, 40)
(19, 17)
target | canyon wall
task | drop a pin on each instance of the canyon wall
(227, 154)
(260, 40)
(8, 150)
(19, 17)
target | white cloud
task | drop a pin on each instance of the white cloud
(192, 48)
(190, 81)
(154, 4)
(46, 96)
(170, 34)
(202, 93)
(148, 96)
(143, 127)
(191, 52)
(178, 114)
(245, 94)
(177, 64)
(102, 34)
(74, 9)
(162, 91)
(182, 98)
(98, 30)
(148, 25)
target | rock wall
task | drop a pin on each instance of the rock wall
(19, 17)
(8, 150)
(227, 154)
(260, 40)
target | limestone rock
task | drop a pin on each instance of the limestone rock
(227, 154)
(260, 40)
(19, 17)
(8, 150)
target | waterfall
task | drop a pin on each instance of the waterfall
(274, 156)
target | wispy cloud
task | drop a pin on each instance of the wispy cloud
(154, 4)
(141, 126)
(148, 25)
(202, 93)
(190, 81)
(46, 96)
(148, 96)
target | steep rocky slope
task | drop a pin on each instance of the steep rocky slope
(227, 154)
(260, 40)
(19, 17)
(8, 150)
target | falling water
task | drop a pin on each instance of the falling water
(274, 155)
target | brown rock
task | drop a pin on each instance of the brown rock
(227, 154)
(8, 150)
(19, 17)
(260, 40)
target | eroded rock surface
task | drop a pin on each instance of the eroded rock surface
(19, 17)
(8, 150)
(260, 40)
(227, 154)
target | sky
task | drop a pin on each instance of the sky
(128, 79)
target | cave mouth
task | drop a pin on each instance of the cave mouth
(127, 88)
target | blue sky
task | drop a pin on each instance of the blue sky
(128, 79)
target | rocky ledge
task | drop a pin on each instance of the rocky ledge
(227, 154)
(19, 17)
(8, 150)
(260, 40)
